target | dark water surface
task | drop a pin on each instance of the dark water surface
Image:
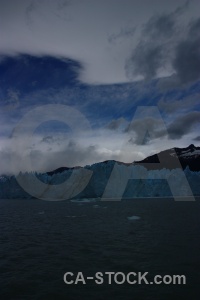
(40, 241)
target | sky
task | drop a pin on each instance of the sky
(129, 69)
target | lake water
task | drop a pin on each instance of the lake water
(40, 241)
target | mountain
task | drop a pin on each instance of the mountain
(61, 170)
(188, 157)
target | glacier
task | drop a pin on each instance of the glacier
(150, 184)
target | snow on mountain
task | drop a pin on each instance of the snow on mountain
(188, 157)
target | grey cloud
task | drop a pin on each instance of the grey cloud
(145, 130)
(187, 60)
(68, 155)
(173, 105)
(186, 56)
(123, 33)
(115, 124)
(165, 43)
(138, 141)
(172, 82)
(160, 26)
(56, 140)
(153, 50)
(48, 139)
(194, 30)
(146, 60)
(183, 125)
(73, 154)
(69, 29)
(197, 139)
(56, 8)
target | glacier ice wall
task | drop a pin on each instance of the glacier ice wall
(149, 184)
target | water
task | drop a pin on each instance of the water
(40, 241)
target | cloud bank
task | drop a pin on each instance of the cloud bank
(101, 35)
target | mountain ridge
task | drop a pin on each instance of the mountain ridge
(187, 157)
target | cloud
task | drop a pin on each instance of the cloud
(48, 139)
(146, 60)
(123, 33)
(44, 159)
(48, 152)
(162, 26)
(167, 47)
(194, 28)
(187, 60)
(116, 124)
(145, 129)
(183, 125)
(197, 139)
(100, 35)
(153, 49)
(181, 104)
(72, 154)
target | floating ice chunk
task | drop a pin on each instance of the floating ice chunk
(80, 200)
(84, 200)
(96, 206)
(133, 218)
(75, 216)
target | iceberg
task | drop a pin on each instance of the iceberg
(133, 218)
